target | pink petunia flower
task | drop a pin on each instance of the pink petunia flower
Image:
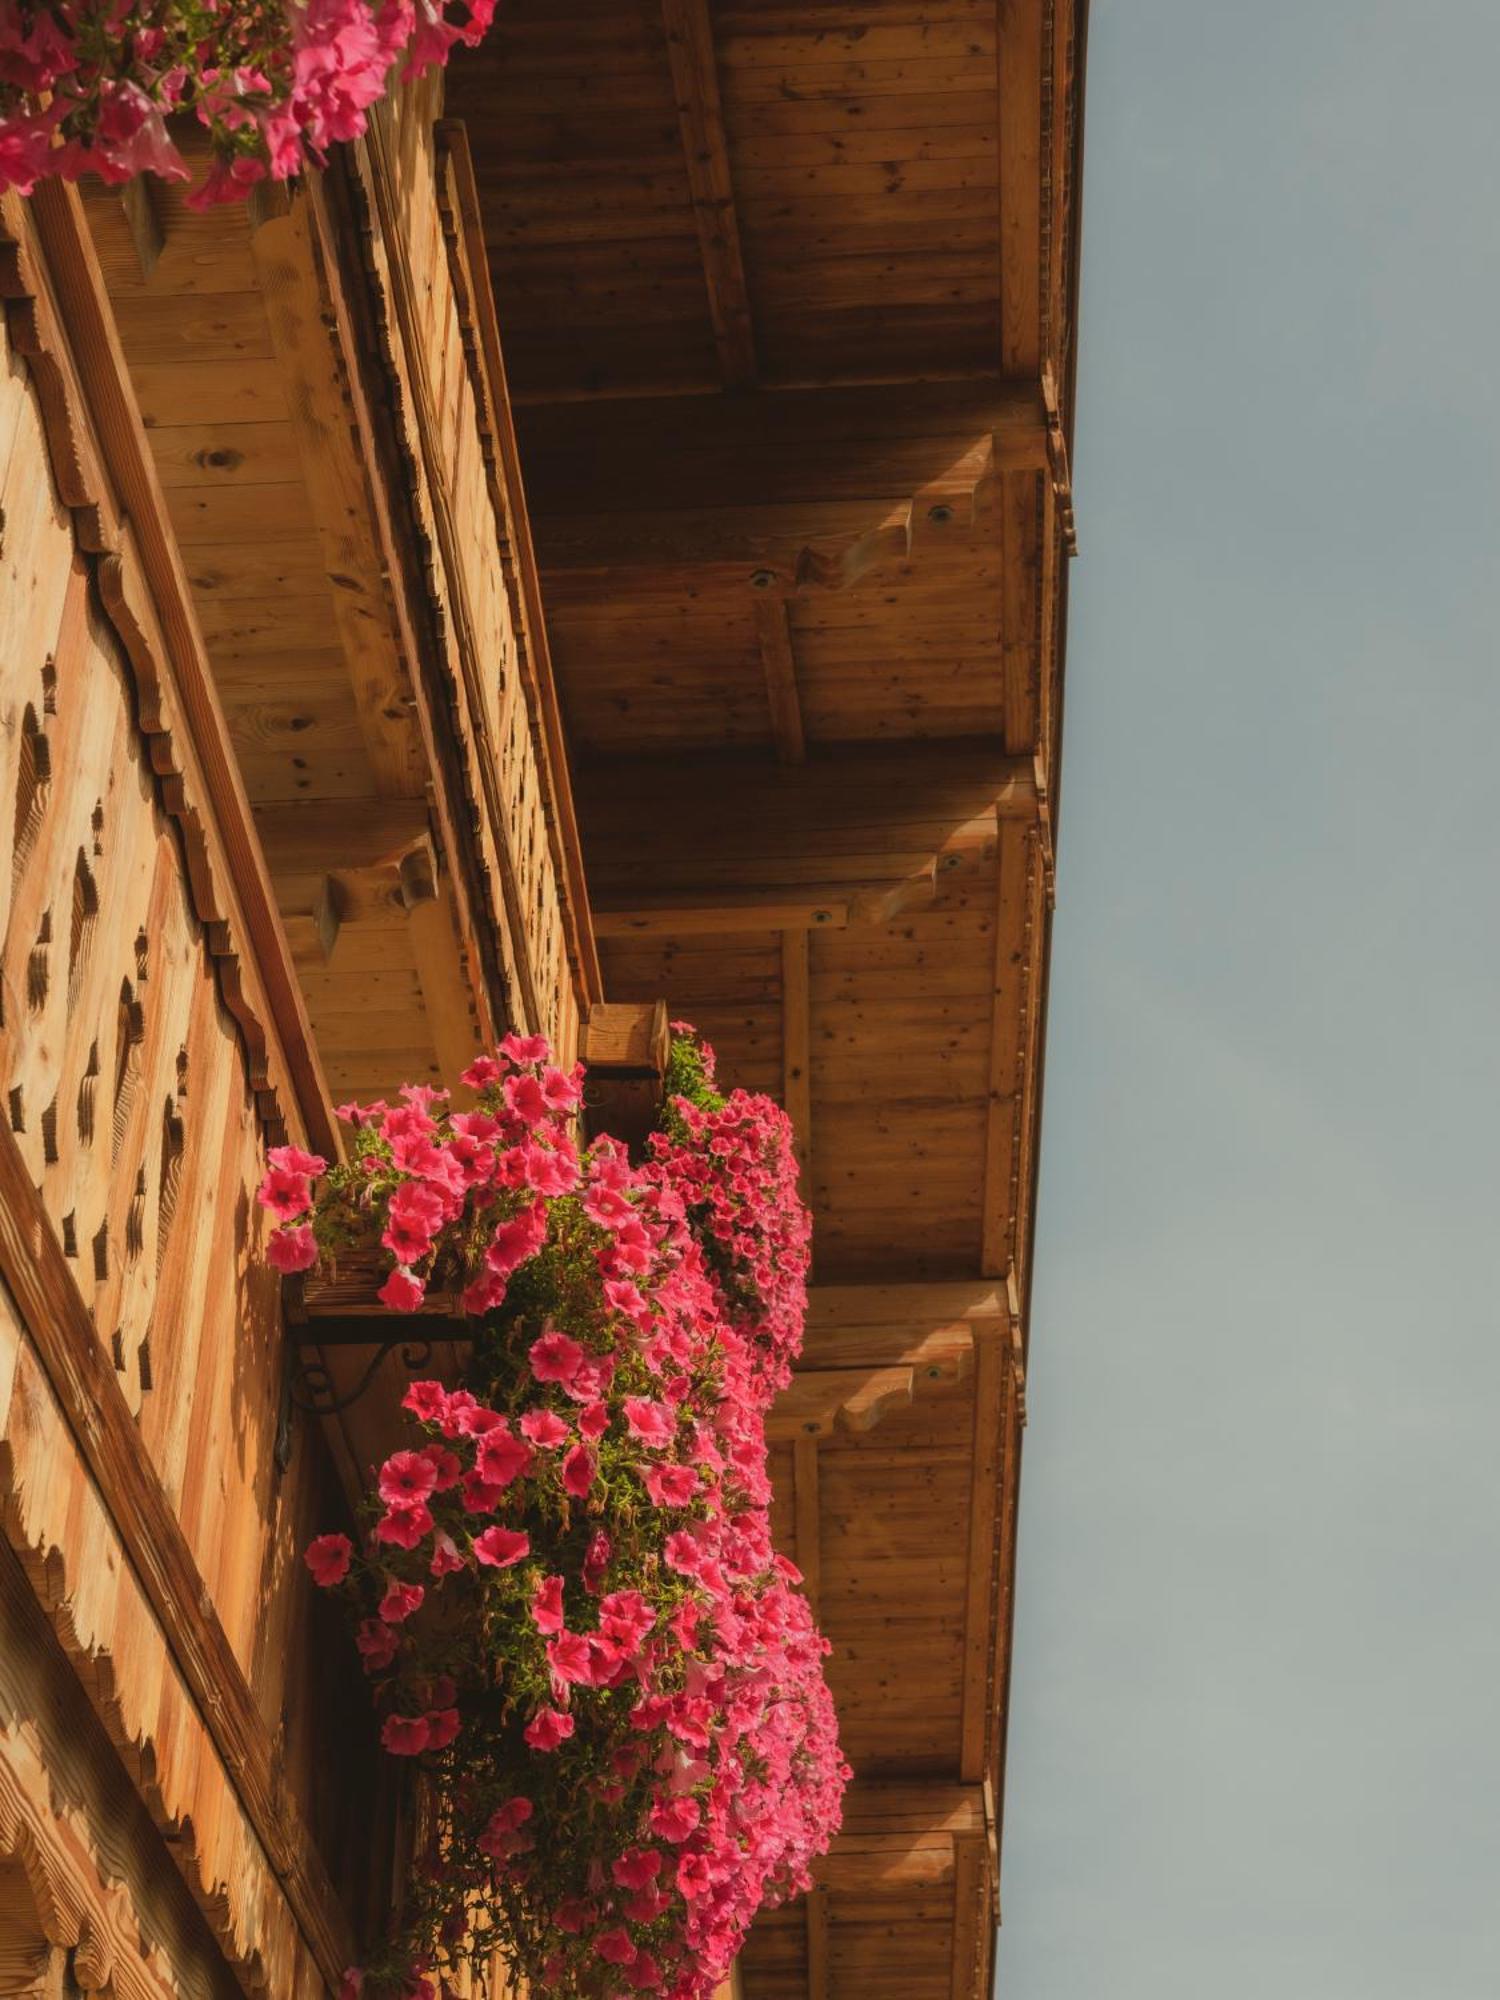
(328, 1558)
(404, 1527)
(427, 1400)
(693, 1876)
(670, 1485)
(555, 1358)
(502, 1548)
(289, 1250)
(547, 1728)
(401, 1291)
(545, 1428)
(406, 1478)
(400, 1601)
(502, 1458)
(651, 1422)
(637, 1867)
(405, 1735)
(377, 1645)
(443, 1725)
(446, 1560)
(568, 1657)
(547, 1604)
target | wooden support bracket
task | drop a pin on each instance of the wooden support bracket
(624, 1047)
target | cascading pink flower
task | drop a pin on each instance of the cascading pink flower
(600, 1535)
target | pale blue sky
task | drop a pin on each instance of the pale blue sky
(1255, 1735)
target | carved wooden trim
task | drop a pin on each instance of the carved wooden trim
(76, 1365)
(80, 381)
(67, 1904)
(342, 228)
(458, 205)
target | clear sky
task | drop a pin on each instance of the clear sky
(1255, 1734)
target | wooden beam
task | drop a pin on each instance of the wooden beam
(333, 834)
(109, 1442)
(725, 916)
(700, 117)
(944, 1355)
(781, 447)
(729, 835)
(1018, 31)
(779, 663)
(796, 1044)
(795, 546)
(819, 1401)
(835, 1309)
(901, 1837)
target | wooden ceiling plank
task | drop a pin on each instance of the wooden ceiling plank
(817, 1942)
(695, 81)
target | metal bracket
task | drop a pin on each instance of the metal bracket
(307, 1383)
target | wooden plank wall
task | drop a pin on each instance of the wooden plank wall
(130, 1107)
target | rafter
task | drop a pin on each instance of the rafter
(718, 845)
(779, 662)
(823, 1400)
(797, 490)
(700, 117)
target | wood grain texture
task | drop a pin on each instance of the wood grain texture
(104, 1436)
(695, 80)
(141, 581)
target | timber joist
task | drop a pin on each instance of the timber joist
(826, 485)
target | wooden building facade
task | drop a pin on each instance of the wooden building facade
(602, 542)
